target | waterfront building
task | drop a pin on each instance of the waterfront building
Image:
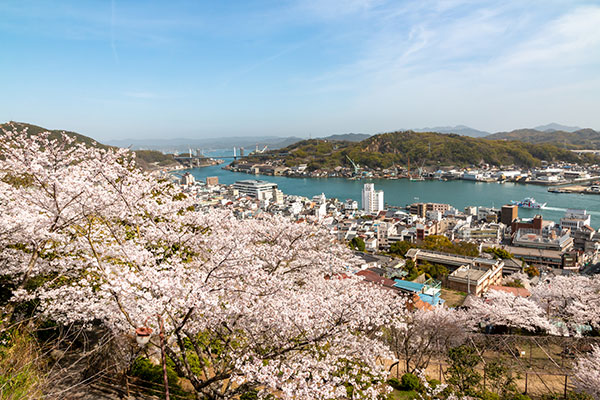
(262, 190)
(421, 209)
(472, 176)
(212, 180)
(372, 200)
(277, 196)
(509, 213)
(487, 214)
(319, 198)
(187, 179)
(575, 219)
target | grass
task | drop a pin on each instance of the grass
(453, 298)
(21, 377)
(403, 395)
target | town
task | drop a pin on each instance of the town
(434, 245)
(561, 177)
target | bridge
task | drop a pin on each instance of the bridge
(200, 160)
(588, 151)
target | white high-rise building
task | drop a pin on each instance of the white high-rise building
(372, 200)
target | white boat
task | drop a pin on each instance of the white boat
(528, 202)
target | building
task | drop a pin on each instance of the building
(262, 190)
(552, 239)
(482, 233)
(212, 180)
(372, 200)
(575, 219)
(421, 209)
(351, 205)
(508, 214)
(429, 292)
(187, 179)
(277, 196)
(474, 279)
(537, 223)
(487, 214)
(545, 258)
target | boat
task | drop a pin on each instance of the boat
(528, 202)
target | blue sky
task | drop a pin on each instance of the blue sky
(156, 69)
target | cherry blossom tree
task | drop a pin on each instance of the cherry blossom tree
(263, 304)
(587, 373)
(574, 301)
(417, 337)
(505, 309)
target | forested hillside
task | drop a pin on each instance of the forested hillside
(146, 159)
(427, 148)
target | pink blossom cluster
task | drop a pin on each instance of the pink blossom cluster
(562, 305)
(261, 303)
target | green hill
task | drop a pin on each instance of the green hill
(147, 159)
(427, 148)
(580, 139)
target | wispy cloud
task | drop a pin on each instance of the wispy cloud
(113, 44)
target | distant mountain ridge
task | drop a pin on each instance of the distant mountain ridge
(347, 137)
(181, 145)
(458, 129)
(579, 139)
(557, 127)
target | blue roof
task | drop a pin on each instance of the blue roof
(433, 300)
(408, 285)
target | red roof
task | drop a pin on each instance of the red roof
(516, 291)
(416, 302)
(374, 277)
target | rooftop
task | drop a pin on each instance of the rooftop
(467, 273)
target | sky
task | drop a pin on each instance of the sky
(158, 69)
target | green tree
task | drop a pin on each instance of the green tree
(500, 379)
(401, 247)
(499, 253)
(436, 242)
(532, 271)
(462, 375)
(357, 244)
(412, 270)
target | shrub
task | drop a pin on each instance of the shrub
(410, 382)
(519, 396)
(395, 383)
(150, 374)
(434, 383)
(487, 395)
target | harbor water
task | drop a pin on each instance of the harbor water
(401, 192)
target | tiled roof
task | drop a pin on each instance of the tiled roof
(516, 291)
(371, 276)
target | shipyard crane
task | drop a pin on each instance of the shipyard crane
(355, 165)
(257, 151)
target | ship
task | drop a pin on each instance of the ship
(528, 202)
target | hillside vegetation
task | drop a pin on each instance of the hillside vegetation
(146, 159)
(427, 148)
(580, 139)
